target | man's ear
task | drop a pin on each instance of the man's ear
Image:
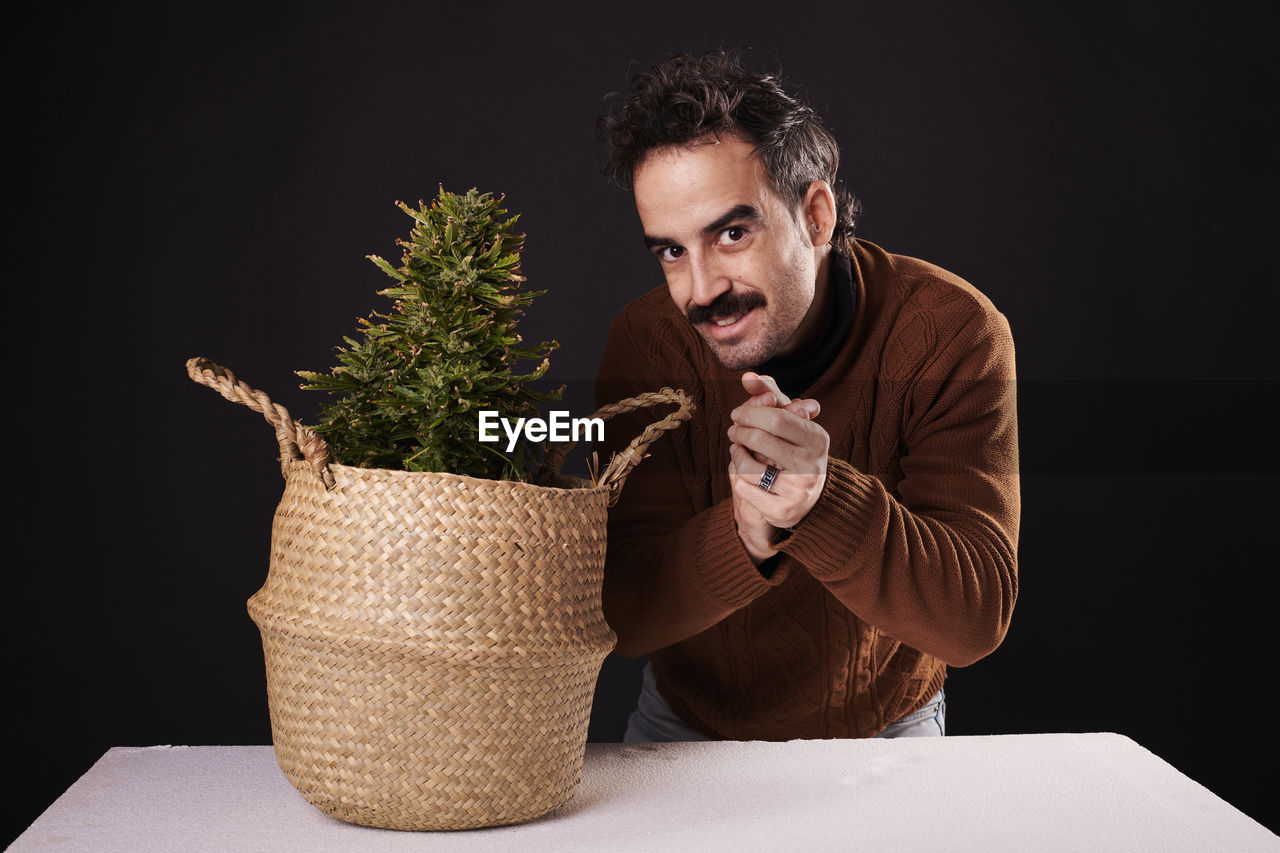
(818, 212)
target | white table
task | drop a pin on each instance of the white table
(1011, 792)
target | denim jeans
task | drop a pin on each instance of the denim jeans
(654, 721)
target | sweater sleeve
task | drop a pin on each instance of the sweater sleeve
(932, 564)
(675, 565)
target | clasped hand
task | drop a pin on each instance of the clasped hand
(771, 429)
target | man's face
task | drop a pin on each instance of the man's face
(737, 261)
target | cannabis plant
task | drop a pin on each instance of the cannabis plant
(411, 384)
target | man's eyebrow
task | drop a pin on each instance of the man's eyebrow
(739, 213)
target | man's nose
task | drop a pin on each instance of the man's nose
(708, 280)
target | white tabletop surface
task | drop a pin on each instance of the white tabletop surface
(1010, 792)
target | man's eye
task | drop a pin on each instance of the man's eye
(732, 235)
(670, 253)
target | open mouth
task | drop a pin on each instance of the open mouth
(727, 316)
(727, 326)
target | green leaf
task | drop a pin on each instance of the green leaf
(409, 381)
(387, 268)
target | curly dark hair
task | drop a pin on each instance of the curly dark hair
(684, 98)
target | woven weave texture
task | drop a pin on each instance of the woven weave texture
(432, 643)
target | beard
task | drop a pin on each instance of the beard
(775, 327)
(727, 304)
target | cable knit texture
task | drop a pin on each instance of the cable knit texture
(907, 562)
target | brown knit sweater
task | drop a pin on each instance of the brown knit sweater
(906, 563)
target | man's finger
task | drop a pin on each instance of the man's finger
(806, 408)
(766, 399)
(779, 422)
(757, 385)
(766, 446)
(763, 460)
(745, 471)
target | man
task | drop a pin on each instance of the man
(838, 522)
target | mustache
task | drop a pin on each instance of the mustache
(726, 304)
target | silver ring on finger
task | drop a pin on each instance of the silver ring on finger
(766, 479)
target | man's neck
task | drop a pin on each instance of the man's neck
(815, 318)
(797, 371)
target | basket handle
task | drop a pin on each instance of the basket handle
(615, 473)
(292, 437)
(300, 442)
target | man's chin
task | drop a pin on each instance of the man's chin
(735, 356)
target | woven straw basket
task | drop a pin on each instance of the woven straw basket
(432, 641)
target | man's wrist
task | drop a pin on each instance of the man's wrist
(769, 566)
(759, 555)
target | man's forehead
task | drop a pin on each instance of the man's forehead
(727, 145)
(702, 181)
(691, 193)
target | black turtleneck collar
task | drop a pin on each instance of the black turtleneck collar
(796, 372)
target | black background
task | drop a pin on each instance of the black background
(208, 181)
